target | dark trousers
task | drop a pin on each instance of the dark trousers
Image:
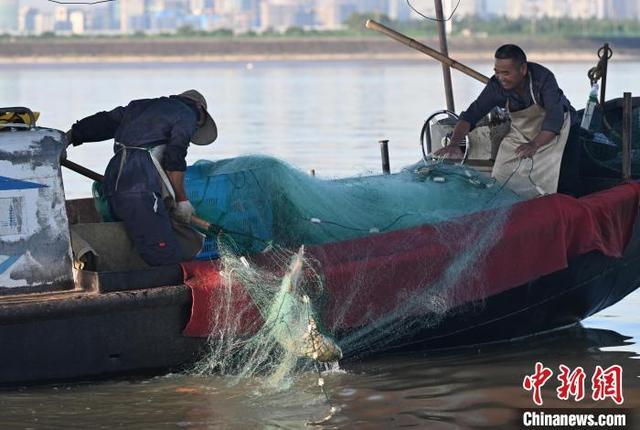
(569, 181)
(148, 225)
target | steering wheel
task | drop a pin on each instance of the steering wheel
(426, 141)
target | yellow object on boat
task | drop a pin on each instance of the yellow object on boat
(11, 117)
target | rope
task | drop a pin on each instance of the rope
(431, 18)
(595, 73)
(504, 184)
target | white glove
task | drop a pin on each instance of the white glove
(183, 211)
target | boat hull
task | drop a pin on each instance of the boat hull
(590, 284)
(133, 323)
(88, 335)
(84, 336)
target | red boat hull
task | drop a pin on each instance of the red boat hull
(539, 265)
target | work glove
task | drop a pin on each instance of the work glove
(183, 211)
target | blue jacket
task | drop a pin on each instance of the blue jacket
(142, 123)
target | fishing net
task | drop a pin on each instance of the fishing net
(264, 320)
(302, 259)
(259, 200)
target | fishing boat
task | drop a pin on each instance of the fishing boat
(64, 316)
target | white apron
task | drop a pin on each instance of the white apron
(537, 175)
(190, 240)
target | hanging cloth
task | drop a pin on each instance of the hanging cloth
(539, 174)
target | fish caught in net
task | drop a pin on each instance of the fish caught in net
(265, 324)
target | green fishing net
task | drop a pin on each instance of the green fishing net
(259, 200)
(284, 331)
(269, 210)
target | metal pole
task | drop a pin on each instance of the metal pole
(82, 170)
(446, 71)
(412, 43)
(605, 63)
(627, 109)
(384, 153)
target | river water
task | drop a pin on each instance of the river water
(326, 116)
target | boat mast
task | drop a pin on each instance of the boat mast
(446, 71)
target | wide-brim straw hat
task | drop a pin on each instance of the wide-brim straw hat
(208, 132)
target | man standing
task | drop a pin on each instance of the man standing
(531, 154)
(151, 141)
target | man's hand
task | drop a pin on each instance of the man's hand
(450, 151)
(453, 150)
(183, 211)
(526, 150)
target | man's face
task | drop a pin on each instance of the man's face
(509, 74)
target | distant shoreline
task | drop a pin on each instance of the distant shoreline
(145, 51)
(577, 57)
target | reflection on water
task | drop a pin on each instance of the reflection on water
(461, 389)
(329, 117)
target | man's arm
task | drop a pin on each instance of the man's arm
(488, 98)
(461, 129)
(183, 209)
(551, 101)
(177, 181)
(95, 128)
(175, 154)
(174, 163)
(453, 150)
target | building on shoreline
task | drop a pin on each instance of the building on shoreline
(9, 12)
(34, 17)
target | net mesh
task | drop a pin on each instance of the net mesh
(259, 200)
(270, 211)
(270, 342)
